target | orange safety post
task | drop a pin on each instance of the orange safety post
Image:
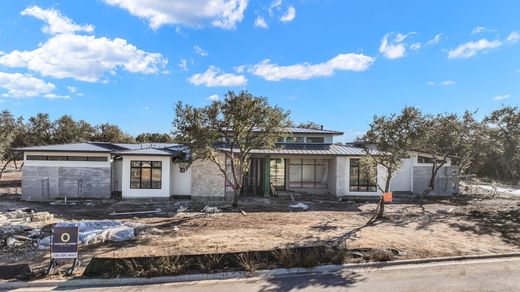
(387, 197)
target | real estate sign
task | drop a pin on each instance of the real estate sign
(64, 244)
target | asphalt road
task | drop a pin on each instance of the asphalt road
(474, 275)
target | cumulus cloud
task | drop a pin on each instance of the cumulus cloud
(195, 13)
(435, 40)
(72, 89)
(199, 51)
(481, 29)
(502, 97)
(260, 22)
(415, 46)
(213, 77)
(470, 49)
(342, 62)
(513, 37)
(84, 58)
(289, 15)
(24, 85)
(392, 49)
(55, 22)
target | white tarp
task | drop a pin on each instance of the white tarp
(91, 232)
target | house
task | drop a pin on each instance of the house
(305, 161)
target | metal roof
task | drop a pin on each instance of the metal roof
(148, 151)
(310, 149)
(73, 147)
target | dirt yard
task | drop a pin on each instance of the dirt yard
(463, 225)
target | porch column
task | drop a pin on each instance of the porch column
(267, 175)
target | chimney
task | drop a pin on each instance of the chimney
(321, 127)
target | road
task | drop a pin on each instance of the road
(474, 275)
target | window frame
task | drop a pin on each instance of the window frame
(370, 187)
(322, 140)
(153, 166)
(66, 158)
(302, 183)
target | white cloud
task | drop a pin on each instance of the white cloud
(470, 49)
(183, 64)
(213, 77)
(392, 50)
(84, 58)
(195, 13)
(513, 37)
(399, 38)
(199, 51)
(289, 15)
(56, 23)
(502, 97)
(274, 5)
(55, 96)
(435, 40)
(346, 62)
(146, 108)
(481, 29)
(260, 22)
(24, 85)
(240, 68)
(415, 46)
(214, 97)
(72, 89)
(442, 83)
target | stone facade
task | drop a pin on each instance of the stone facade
(207, 180)
(48, 183)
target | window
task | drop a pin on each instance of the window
(308, 173)
(67, 158)
(358, 181)
(424, 159)
(145, 174)
(315, 140)
(295, 140)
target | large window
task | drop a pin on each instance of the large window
(308, 173)
(145, 174)
(293, 139)
(320, 140)
(67, 158)
(358, 180)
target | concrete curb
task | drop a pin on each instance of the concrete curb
(231, 275)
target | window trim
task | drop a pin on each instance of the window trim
(316, 184)
(322, 140)
(67, 158)
(358, 185)
(151, 168)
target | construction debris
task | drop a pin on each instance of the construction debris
(300, 206)
(136, 212)
(209, 209)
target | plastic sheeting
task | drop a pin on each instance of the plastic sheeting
(91, 232)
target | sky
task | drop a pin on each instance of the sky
(337, 63)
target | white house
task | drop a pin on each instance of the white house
(306, 161)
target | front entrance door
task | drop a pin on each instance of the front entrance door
(254, 179)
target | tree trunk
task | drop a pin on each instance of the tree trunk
(236, 195)
(381, 212)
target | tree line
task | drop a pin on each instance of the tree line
(40, 129)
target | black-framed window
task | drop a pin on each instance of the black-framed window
(315, 140)
(145, 174)
(308, 173)
(424, 159)
(358, 180)
(67, 158)
(295, 139)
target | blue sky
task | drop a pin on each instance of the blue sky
(337, 63)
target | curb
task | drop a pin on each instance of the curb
(231, 275)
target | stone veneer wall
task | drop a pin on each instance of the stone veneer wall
(207, 180)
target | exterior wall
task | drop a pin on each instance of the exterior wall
(207, 180)
(445, 180)
(343, 178)
(180, 181)
(49, 179)
(164, 191)
(402, 179)
(117, 175)
(332, 176)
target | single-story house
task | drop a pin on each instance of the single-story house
(306, 161)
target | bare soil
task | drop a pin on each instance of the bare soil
(463, 225)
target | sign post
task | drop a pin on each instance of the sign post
(64, 245)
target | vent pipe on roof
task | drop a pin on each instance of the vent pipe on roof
(321, 127)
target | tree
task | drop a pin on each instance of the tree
(309, 125)
(443, 136)
(245, 121)
(387, 143)
(505, 131)
(154, 138)
(40, 130)
(7, 125)
(111, 133)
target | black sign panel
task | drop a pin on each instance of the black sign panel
(64, 243)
